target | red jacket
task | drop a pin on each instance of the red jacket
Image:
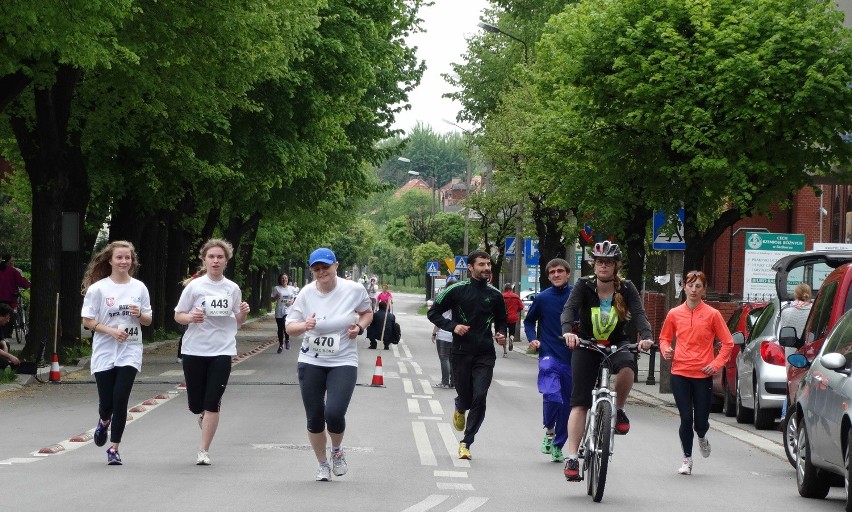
(514, 305)
(10, 280)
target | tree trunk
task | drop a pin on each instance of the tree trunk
(551, 240)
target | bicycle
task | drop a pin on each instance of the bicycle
(19, 320)
(598, 442)
(39, 369)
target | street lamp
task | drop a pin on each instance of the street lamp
(466, 185)
(431, 178)
(731, 250)
(494, 30)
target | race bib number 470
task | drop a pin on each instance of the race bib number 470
(217, 305)
(324, 344)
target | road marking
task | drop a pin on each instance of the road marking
(402, 368)
(417, 369)
(19, 460)
(452, 445)
(424, 447)
(242, 373)
(450, 474)
(413, 406)
(431, 418)
(435, 405)
(407, 386)
(431, 501)
(172, 373)
(469, 504)
(509, 383)
(451, 486)
(427, 387)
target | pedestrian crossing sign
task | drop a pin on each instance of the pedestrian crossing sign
(433, 268)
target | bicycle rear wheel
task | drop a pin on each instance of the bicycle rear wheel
(599, 458)
(42, 373)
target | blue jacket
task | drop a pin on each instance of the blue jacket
(546, 310)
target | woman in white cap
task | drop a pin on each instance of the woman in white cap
(331, 312)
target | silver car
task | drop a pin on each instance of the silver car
(761, 371)
(821, 409)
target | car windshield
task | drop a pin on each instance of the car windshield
(814, 275)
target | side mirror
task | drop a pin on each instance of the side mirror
(798, 361)
(834, 361)
(739, 338)
(788, 337)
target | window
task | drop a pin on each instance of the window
(817, 326)
(735, 319)
(841, 338)
(765, 326)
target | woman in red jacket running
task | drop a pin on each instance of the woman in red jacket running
(695, 326)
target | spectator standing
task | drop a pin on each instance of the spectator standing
(544, 330)
(212, 308)
(477, 308)
(514, 306)
(372, 291)
(386, 296)
(115, 306)
(11, 282)
(795, 315)
(331, 312)
(443, 341)
(284, 295)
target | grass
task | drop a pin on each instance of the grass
(7, 375)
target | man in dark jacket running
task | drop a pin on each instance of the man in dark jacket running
(476, 307)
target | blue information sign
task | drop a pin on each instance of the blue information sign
(511, 247)
(531, 252)
(668, 241)
(461, 263)
(433, 268)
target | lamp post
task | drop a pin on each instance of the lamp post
(731, 249)
(494, 30)
(431, 180)
(466, 187)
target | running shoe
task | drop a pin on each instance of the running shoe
(686, 467)
(203, 459)
(464, 453)
(113, 458)
(704, 446)
(622, 424)
(556, 454)
(338, 463)
(572, 470)
(280, 348)
(458, 420)
(287, 344)
(100, 434)
(201, 420)
(547, 443)
(324, 472)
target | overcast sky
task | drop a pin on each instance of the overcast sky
(447, 24)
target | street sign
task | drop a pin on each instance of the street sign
(433, 268)
(665, 241)
(531, 252)
(510, 247)
(532, 274)
(451, 264)
(762, 250)
(461, 263)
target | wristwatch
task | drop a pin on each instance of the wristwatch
(360, 329)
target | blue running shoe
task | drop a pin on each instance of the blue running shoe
(100, 434)
(113, 458)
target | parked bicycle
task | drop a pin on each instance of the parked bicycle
(20, 327)
(598, 442)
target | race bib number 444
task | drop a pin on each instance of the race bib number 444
(217, 305)
(134, 333)
(324, 344)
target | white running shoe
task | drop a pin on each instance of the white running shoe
(203, 459)
(686, 467)
(704, 446)
(338, 463)
(324, 472)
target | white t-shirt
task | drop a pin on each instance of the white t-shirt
(220, 301)
(335, 312)
(286, 295)
(108, 302)
(443, 335)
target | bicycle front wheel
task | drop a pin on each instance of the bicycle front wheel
(42, 373)
(599, 458)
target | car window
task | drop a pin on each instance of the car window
(821, 313)
(840, 339)
(735, 319)
(753, 315)
(812, 274)
(764, 325)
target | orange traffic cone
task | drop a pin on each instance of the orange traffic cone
(378, 375)
(54, 369)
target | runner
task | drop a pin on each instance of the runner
(283, 295)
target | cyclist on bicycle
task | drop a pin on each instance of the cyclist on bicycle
(11, 281)
(603, 304)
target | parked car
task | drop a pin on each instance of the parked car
(830, 276)
(527, 297)
(725, 380)
(821, 409)
(761, 371)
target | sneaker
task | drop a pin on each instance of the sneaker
(338, 463)
(686, 467)
(280, 348)
(203, 459)
(556, 454)
(201, 421)
(622, 424)
(179, 360)
(511, 343)
(287, 345)
(100, 434)
(572, 470)
(458, 420)
(704, 446)
(324, 472)
(547, 443)
(464, 453)
(113, 458)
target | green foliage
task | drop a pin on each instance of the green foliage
(430, 251)
(7, 375)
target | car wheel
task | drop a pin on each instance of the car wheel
(744, 415)
(848, 473)
(808, 479)
(729, 400)
(764, 418)
(789, 429)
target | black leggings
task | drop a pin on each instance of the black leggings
(114, 386)
(206, 379)
(282, 333)
(693, 398)
(326, 392)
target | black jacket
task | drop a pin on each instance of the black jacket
(584, 297)
(374, 331)
(474, 303)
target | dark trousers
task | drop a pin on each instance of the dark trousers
(326, 393)
(693, 398)
(445, 352)
(282, 333)
(472, 377)
(114, 386)
(206, 379)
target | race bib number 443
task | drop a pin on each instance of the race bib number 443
(217, 305)
(324, 344)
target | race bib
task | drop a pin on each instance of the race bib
(324, 344)
(134, 333)
(217, 305)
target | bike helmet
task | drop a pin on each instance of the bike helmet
(452, 280)
(606, 249)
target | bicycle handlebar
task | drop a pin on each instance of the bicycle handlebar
(608, 349)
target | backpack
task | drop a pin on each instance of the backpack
(397, 333)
